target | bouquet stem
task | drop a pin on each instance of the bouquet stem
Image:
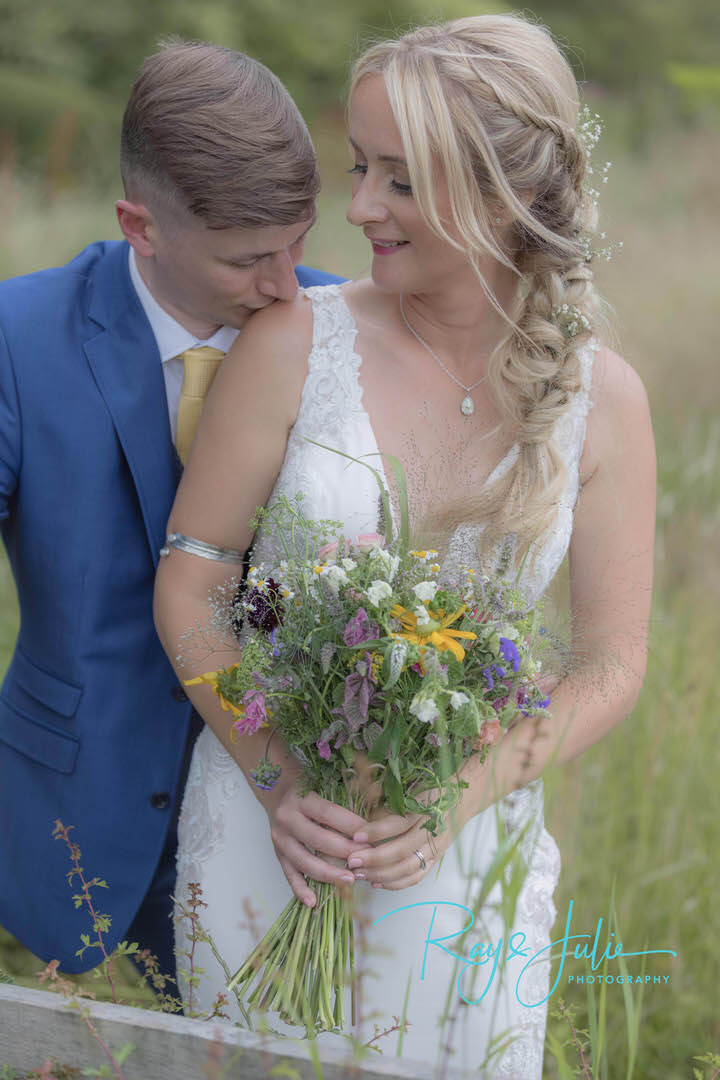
(303, 963)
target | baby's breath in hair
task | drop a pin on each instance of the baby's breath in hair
(589, 129)
(570, 319)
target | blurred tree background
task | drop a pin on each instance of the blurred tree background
(65, 69)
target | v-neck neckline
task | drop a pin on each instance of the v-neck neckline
(357, 358)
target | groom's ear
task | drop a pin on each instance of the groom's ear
(137, 226)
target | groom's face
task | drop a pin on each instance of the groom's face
(207, 278)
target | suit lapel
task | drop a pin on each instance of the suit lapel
(126, 366)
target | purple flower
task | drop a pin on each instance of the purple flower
(323, 748)
(266, 612)
(266, 776)
(433, 739)
(500, 672)
(510, 653)
(276, 648)
(360, 629)
(487, 672)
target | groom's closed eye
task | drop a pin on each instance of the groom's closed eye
(255, 259)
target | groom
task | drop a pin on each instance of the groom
(220, 184)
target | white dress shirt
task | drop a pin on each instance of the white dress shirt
(173, 339)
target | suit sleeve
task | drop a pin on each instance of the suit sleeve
(10, 432)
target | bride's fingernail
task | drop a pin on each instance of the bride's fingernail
(377, 885)
(362, 876)
(310, 901)
(360, 838)
(352, 863)
(349, 878)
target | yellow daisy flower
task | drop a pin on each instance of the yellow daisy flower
(209, 678)
(435, 632)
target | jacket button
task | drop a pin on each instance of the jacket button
(160, 800)
(178, 693)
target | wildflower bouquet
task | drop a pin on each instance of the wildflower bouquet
(382, 676)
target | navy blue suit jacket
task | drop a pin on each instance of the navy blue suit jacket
(93, 721)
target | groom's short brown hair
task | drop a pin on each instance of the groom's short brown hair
(212, 132)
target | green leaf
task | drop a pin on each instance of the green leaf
(284, 1069)
(124, 1053)
(393, 663)
(394, 793)
(401, 485)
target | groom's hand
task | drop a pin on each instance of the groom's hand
(299, 823)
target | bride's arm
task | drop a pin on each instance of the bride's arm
(236, 457)
(611, 567)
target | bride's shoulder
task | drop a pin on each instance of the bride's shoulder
(619, 417)
(281, 323)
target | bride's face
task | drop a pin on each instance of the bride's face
(407, 255)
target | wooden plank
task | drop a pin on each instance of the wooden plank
(36, 1024)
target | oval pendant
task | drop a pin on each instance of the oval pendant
(467, 408)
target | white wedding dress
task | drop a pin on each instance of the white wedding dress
(224, 836)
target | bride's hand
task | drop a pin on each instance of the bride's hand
(298, 823)
(393, 863)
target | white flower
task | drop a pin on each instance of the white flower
(378, 591)
(426, 711)
(422, 615)
(426, 590)
(349, 564)
(390, 562)
(458, 699)
(336, 577)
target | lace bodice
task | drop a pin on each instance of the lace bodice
(332, 412)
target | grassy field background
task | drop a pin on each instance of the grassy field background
(642, 807)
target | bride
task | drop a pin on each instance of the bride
(513, 422)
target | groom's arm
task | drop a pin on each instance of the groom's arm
(10, 431)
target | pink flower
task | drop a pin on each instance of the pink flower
(328, 549)
(255, 713)
(364, 542)
(360, 629)
(367, 541)
(490, 733)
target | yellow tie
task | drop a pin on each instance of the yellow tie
(200, 367)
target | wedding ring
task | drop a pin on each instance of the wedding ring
(421, 857)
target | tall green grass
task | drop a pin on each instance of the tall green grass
(641, 808)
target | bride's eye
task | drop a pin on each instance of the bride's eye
(400, 189)
(358, 168)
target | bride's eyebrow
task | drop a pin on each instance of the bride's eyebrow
(381, 157)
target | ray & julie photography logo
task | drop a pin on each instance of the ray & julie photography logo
(488, 956)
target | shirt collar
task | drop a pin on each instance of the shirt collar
(172, 338)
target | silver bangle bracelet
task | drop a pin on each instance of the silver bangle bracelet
(199, 547)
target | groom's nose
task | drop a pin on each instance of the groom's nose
(277, 278)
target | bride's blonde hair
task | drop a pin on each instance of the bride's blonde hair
(493, 100)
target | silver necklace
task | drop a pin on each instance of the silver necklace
(467, 405)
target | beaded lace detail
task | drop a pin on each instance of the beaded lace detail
(332, 412)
